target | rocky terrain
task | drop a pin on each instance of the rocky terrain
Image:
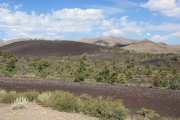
(164, 102)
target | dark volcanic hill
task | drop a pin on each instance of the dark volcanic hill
(49, 48)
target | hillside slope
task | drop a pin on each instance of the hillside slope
(49, 48)
(176, 46)
(2, 42)
(151, 47)
(110, 41)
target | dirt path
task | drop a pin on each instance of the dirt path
(165, 102)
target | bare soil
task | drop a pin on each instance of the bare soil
(37, 112)
(164, 102)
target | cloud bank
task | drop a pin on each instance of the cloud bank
(59, 24)
(159, 38)
(55, 25)
(170, 8)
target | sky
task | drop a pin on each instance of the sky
(156, 20)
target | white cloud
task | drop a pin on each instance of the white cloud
(159, 38)
(4, 5)
(53, 25)
(148, 34)
(124, 31)
(124, 22)
(137, 10)
(115, 32)
(165, 27)
(18, 6)
(169, 8)
(109, 24)
(155, 14)
(123, 27)
(78, 14)
(108, 10)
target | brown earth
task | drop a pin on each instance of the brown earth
(176, 46)
(37, 112)
(152, 47)
(49, 48)
(110, 41)
(164, 102)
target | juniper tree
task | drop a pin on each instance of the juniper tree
(11, 64)
(157, 81)
(109, 74)
(84, 68)
(174, 82)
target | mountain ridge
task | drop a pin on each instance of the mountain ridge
(108, 41)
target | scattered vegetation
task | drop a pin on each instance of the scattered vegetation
(20, 103)
(163, 74)
(148, 113)
(128, 71)
(68, 102)
(107, 108)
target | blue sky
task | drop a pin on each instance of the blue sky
(157, 20)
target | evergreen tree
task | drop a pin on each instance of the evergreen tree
(11, 64)
(128, 60)
(174, 82)
(84, 68)
(175, 58)
(129, 74)
(157, 81)
(109, 75)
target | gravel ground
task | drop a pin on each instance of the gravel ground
(164, 102)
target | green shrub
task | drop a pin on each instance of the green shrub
(107, 109)
(9, 97)
(84, 96)
(157, 81)
(174, 82)
(79, 77)
(83, 69)
(164, 73)
(20, 103)
(148, 113)
(107, 75)
(139, 117)
(175, 58)
(7, 55)
(29, 95)
(65, 101)
(11, 64)
(143, 80)
(27, 58)
(170, 118)
(2, 92)
(45, 98)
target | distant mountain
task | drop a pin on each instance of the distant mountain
(130, 44)
(1, 41)
(152, 47)
(108, 41)
(176, 46)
